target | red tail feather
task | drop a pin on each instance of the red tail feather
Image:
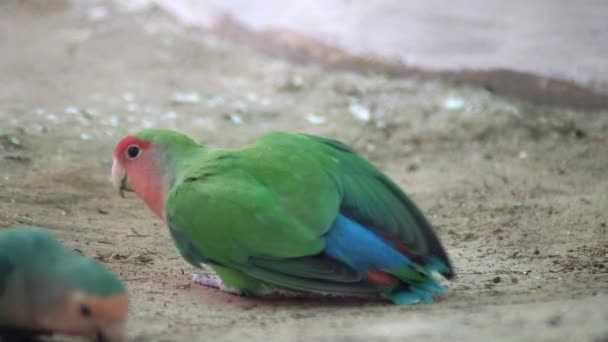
(381, 278)
(396, 243)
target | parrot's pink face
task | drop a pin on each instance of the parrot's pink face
(137, 168)
(98, 318)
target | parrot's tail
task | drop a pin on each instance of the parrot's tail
(403, 279)
(411, 285)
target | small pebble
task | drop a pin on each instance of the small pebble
(360, 112)
(554, 321)
(453, 103)
(187, 97)
(315, 119)
(71, 110)
(86, 136)
(234, 118)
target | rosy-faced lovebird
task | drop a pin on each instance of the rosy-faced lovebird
(46, 288)
(290, 211)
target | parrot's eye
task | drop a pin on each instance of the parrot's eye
(133, 151)
(85, 310)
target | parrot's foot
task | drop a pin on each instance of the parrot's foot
(212, 280)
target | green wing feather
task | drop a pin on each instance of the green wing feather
(313, 267)
(372, 199)
(309, 284)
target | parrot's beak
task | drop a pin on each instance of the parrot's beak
(119, 179)
(111, 333)
(111, 318)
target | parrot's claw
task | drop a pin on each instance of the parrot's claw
(212, 280)
(207, 279)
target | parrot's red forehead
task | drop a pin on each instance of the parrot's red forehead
(128, 141)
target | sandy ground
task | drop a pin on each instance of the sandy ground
(518, 193)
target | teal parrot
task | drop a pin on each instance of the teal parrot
(47, 289)
(289, 211)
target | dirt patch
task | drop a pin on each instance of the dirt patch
(517, 192)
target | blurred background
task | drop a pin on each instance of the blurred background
(516, 48)
(566, 40)
(492, 115)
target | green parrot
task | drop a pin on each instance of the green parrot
(290, 211)
(46, 288)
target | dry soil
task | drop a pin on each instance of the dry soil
(517, 192)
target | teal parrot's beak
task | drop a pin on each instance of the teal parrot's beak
(110, 333)
(119, 179)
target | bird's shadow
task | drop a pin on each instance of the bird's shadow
(10, 334)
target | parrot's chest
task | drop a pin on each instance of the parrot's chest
(13, 303)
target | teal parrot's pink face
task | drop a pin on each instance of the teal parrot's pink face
(136, 167)
(98, 318)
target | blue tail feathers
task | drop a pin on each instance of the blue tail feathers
(364, 250)
(361, 248)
